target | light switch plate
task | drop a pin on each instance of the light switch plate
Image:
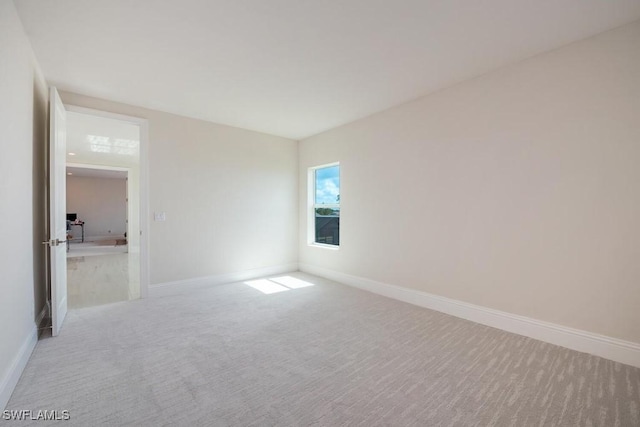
(159, 216)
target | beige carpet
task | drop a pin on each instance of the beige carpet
(323, 355)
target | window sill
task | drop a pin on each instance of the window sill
(325, 246)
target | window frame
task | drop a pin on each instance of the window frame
(312, 206)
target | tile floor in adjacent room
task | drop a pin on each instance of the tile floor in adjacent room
(100, 274)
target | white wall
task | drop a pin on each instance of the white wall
(230, 195)
(100, 203)
(23, 116)
(518, 190)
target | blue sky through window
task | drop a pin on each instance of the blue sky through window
(327, 185)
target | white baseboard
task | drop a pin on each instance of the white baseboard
(76, 239)
(12, 375)
(587, 342)
(179, 286)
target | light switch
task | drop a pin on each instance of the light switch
(159, 216)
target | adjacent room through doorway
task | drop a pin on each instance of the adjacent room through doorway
(103, 210)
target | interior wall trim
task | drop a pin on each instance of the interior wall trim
(575, 339)
(11, 377)
(179, 286)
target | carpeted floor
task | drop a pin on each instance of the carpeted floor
(322, 355)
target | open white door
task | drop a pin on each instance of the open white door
(57, 210)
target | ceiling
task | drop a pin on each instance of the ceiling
(95, 173)
(294, 68)
(102, 141)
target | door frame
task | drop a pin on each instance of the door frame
(144, 183)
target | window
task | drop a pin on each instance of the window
(325, 213)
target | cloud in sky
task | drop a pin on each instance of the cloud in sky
(327, 184)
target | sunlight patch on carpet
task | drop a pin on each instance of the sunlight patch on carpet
(277, 284)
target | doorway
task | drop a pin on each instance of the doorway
(100, 267)
(106, 205)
